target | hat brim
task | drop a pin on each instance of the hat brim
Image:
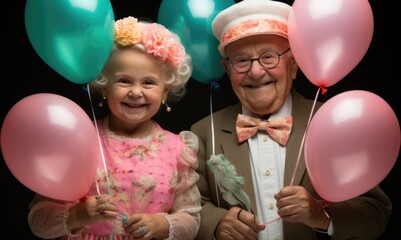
(250, 18)
(252, 28)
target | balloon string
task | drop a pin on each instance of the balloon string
(303, 138)
(272, 221)
(124, 217)
(100, 145)
(214, 85)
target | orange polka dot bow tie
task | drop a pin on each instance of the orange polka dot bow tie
(278, 129)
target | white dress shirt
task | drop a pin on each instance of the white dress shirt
(267, 163)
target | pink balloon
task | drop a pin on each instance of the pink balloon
(351, 144)
(50, 145)
(329, 38)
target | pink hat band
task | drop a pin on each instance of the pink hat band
(252, 27)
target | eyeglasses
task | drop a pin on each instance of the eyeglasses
(267, 60)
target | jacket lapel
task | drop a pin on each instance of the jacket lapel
(237, 154)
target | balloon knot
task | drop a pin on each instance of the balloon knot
(215, 85)
(84, 198)
(323, 89)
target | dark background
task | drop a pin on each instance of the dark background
(24, 73)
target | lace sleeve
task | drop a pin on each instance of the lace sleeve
(47, 217)
(185, 217)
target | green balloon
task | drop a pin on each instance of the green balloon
(192, 21)
(74, 38)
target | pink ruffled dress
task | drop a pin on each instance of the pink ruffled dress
(151, 175)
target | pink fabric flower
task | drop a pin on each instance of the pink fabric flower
(156, 38)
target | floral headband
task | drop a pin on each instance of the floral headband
(156, 38)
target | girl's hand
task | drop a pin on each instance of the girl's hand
(147, 226)
(91, 210)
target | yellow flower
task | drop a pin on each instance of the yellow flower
(127, 31)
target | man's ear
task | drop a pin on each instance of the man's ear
(294, 69)
(225, 64)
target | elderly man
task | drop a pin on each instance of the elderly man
(258, 60)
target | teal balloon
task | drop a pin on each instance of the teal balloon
(74, 38)
(192, 21)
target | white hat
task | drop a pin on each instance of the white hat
(248, 18)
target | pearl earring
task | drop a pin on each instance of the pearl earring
(168, 109)
(101, 103)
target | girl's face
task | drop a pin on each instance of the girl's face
(136, 88)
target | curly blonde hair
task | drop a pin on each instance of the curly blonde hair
(156, 40)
